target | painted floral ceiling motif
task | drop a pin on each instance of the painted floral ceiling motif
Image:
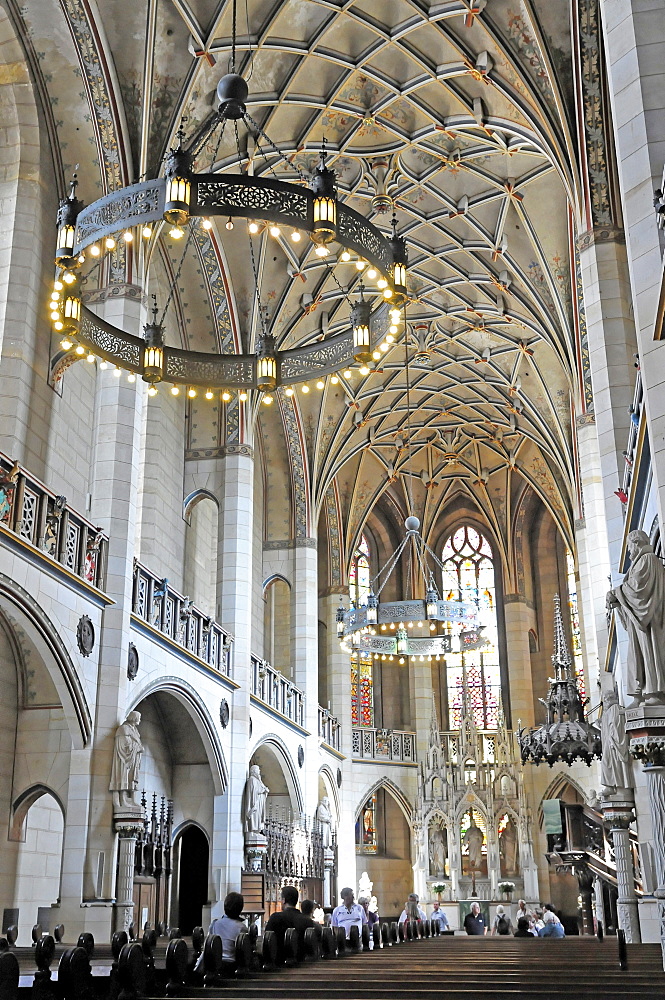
(460, 118)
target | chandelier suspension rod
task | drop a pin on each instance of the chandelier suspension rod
(176, 278)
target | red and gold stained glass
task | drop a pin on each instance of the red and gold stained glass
(362, 695)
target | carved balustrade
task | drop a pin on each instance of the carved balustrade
(383, 744)
(276, 691)
(168, 611)
(35, 514)
(329, 729)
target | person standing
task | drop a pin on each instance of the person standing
(501, 924)
(228, 927)
(349, 914)
(474, 922)
(289, 916)
(437, 916)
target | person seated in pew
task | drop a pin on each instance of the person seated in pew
(349, 914)
(287, 917)
(437, 916)
(228, 927)
(307, 907)
(372, 918)
(552, 926)
(412, 911)
(524, 929)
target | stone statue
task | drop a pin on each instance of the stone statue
(365, 885)
(127, 750)
(437, 851)
(474, 840)
(508, 849)
(640, 604)
(254, 801)
(615, 770)
(324, 818)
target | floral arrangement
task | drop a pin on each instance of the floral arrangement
(438, 889)
(506, 887)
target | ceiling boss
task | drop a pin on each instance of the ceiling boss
(181, 197)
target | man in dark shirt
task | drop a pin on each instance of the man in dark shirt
(474, 922)
(289, 916)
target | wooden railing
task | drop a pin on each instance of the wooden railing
(277, 691)
(329, 728)
(158, 604)
(35, 514)
(383, 744)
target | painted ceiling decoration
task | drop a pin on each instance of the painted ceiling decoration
(458, 116)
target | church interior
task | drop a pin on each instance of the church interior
(332, 462)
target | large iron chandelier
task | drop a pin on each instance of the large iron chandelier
(386, 629)
(310, 209)
(566, 736)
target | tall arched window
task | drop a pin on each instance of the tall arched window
(362, 700)
(468, 575)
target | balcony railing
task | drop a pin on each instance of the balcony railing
(275, 690)
(175, 616)
(383, 744)
(34, 513)
(329, 728)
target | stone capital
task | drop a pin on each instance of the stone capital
(645, 728)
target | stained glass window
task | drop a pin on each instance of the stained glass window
(578, 663)
(366, 841)
(468, 575)
(362, 697)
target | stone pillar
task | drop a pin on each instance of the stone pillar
(305, 658)
(599, 902)
(519, 619)
(634, 35)
(234, 489)
(328, 876)
(128, 830)
(618, 812)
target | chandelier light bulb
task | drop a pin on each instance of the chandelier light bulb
(376, 355)
(80, 350)
(58, 325)
(321, 251)
(267, 400)
(146, 232)
(345, 255)
(364, 370)
(382, 283)
(360, 265)
(384, 347)
(393, 328)
(226, 396)
(305, 388)
(191, 393)
(90, 358)
(288, 392)
(66, 344)
(55, 315)
(395, 315)
(58, 286)
(274, 231)
(371, 273)
(208, 394)
(295, 236)
(152, 390)
(401, 659)
(320, 384)
(229, 224)
(131, 377)
(390, 338)
(207, 224)
(176, 233)
(81, 258)
(103, 365)
(94, 250)
(117, 372)
(175, 391)
(109, 243)
(347, 373)
(55, 296)
(387, 293)
(68, 278)
(242, 397)
(253, 228)
(128, 236)
(334, 379)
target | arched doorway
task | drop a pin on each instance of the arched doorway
(192, 852)
(39, 861)
(383, 850)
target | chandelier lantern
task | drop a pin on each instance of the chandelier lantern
(66, 223)
(324, 208)
(153, 353)
(360, 322)
(266, 363)
(178, 193)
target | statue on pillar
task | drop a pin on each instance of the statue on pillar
(615, 769)
(254, 802)
(127, 751)
(437, 851)
(325, 819)
(640, 604)
(474, 839)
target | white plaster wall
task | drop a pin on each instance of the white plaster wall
(38, 864)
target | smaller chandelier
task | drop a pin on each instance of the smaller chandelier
(66, 226)
(266, 363)
(324, 187)
(400, 265)
(153, 352)
(566, 736)
(178, 187)
(355, 626)
(360, 316)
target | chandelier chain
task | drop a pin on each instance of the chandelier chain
(280, 154)
(233, 36)
(176, 278)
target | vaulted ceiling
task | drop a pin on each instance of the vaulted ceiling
(459, 113)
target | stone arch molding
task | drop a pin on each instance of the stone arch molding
(39, 627)
(24, 803)
(195, 497)
(396, 793)
(283, 755)
(330, 782)
(193, 703)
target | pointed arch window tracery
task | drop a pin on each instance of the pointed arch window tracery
(362, 695)
(468, 575)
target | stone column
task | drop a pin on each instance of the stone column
(600, 902)
(619, 815)
(305, 658)
(128, 830)
(519, 619)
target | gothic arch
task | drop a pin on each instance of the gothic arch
(395, 791)
(195, 497)
(280, 751)
(22, 805)
(195, 706)
(55, 656)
